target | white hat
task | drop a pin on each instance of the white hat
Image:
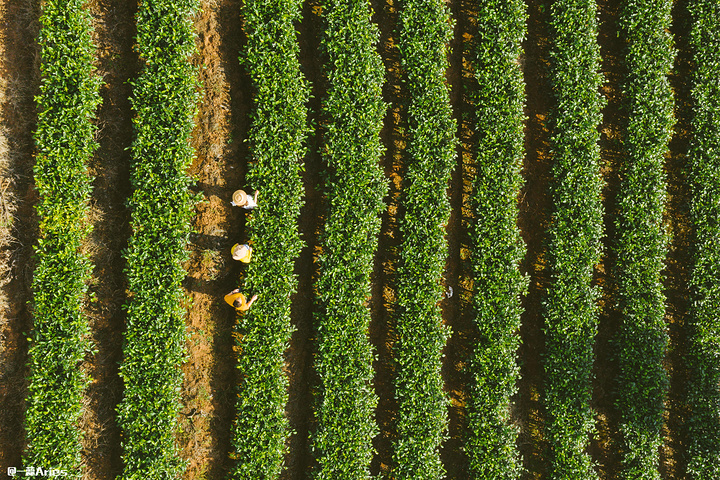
(241, 252)
(239, 198)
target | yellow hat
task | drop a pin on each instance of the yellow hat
(239, 198)
(241, 252)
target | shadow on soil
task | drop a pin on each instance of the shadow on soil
(533, 221)
(456, 310)
(382, 332)
(114, 25)
(302, 376)
(603, 447)
(19, 71)
(672, 454)
(208, 395)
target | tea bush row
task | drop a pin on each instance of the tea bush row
(164, 99)
(64, 141)
(574, 234)
(640, 245)
(703, 393)
(352, 114)
(424, 30)
(497, 248)
(276, 142)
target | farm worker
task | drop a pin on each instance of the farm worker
(237, 300)
(241, 252)
(242, 199)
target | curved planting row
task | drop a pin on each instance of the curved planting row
(276, 140)
(353, 111)
(704, 283)
(65, 141)
(164, 99)
(575, 230)
(424, 30)
(497, 247)
(641, 243)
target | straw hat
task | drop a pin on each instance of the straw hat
(239, 198)
(243, 302)
(241, 252)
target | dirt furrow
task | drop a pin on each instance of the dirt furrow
(456, 308)
(604, 446)
(382, 332)
(19, 80)
(299, 357)
(114, 32)
(208, 393)
(533, 221)
(672, 454)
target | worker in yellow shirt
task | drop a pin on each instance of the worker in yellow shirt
(237, 300)
(241, 252)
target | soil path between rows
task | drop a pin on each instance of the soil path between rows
(456, 309)
(19, 80)
(382, 325)
(302, 376)
(673, 463)
(114, 33)
(603, 447)
(533, 221)
(208, 392)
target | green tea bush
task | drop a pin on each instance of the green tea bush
(703, 353)
(497, 248)
(353, 113)
(574, 234)
(164, 98)
(64, 141)
(423, 33)
(641, 243)
(277, 146)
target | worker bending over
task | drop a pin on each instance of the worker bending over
(237, 300)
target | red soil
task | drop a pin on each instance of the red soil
(208, 394)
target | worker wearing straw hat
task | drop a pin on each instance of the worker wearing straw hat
(241, 252)
(242, 199)
(237, 300)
